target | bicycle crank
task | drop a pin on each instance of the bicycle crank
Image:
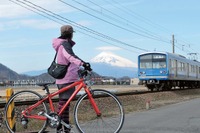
(53, 120)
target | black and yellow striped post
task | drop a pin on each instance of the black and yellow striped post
(11, 109)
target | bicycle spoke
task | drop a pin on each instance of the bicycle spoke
(112, 115)
(22, 124)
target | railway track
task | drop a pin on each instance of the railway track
(121, 93)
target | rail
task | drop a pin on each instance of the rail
(29, 102)
(2, 104)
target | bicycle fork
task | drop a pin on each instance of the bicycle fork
(92, 101)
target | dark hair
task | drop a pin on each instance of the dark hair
(66, 36)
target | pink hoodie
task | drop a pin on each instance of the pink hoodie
(64, 57)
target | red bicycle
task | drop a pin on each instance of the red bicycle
(95, 111)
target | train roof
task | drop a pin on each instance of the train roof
(167, 53)
(171, 54)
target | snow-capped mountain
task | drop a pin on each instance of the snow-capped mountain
(109, 64)
(112, 59)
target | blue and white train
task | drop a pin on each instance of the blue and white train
(163, 70)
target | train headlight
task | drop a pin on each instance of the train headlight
(163, 72)
(142, 73)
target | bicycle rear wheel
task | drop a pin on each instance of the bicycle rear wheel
(14, 120)
(112, 113)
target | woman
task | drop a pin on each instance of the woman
(65, 55)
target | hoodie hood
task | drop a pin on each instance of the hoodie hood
(57, 42)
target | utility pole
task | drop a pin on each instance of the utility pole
(173, 49)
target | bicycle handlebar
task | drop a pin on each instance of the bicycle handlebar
(83, 73)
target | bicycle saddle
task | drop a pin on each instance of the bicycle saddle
(45, 84)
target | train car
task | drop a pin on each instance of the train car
(163, 71)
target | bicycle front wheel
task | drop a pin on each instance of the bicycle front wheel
(15, 122)
(112, 114)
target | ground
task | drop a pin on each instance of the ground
(132, 102)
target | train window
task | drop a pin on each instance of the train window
(181, 66)
(159, 61)
(146, 61)
(178, 65)
(192, 69)
(145, 64)
(153, 61)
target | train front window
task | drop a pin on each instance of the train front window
(153, 61)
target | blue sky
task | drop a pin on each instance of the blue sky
(139, 25)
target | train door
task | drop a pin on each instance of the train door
(187, 69)
(175, 68)
(170, 67)
(196, 72)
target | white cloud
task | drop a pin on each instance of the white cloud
(108, 48)
(28, 23)
(39, 24)
(20, 17)
(11, 10)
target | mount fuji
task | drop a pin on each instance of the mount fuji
(109, 64)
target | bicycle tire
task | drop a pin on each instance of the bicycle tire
(112, 113)
(28, 98)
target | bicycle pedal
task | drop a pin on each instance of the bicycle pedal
(66, 125)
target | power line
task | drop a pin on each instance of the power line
(183, 49)
(147, 21)
(134, 14)
(76, 30)
(101, 12)
(102, 8)
(115, 25)
(58, 17)
(122, 21)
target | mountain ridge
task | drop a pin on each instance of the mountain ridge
(10, 75)
(105, 64)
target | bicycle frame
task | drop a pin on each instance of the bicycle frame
(80, 84)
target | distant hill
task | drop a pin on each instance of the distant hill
(8, 74)
(35, 72)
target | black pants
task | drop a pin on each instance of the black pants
(63, 97)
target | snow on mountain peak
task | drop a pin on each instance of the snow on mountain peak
(112, 59)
